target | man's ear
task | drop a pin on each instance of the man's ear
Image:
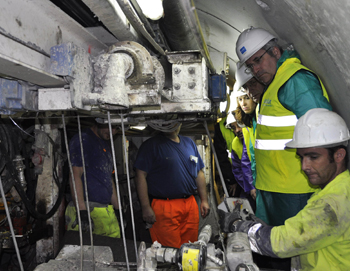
(276, 52)
(339, 155)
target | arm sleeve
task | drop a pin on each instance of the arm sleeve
(316, 226)
(301, 93)
(247, 170)
(144, 157)
(222, 155)
(237, 169)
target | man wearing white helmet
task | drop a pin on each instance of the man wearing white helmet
(291, 90)
(320, 233)
(246, 80)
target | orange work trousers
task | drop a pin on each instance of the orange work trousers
(177, 221)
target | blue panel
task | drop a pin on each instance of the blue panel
(17, 96)
(62, 57)
(217, 88)
(10, 96)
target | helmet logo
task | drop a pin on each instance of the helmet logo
(243, 50)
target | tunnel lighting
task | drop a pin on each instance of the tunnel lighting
(139, 127)
(152, 9)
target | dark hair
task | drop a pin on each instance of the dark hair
(242, 117)
(332, 151)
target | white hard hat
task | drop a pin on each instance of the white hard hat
(231, 119)
(239, 92)
(242, 76)
(319, 127)
(250, 41)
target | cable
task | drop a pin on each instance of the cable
(13, 174)
(75, 193)
(117, 188)
(20, 127)
(129, 186)
(86, 194)
(23, 194)
(11, 226)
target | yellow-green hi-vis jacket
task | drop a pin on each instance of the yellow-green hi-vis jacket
(278, 170)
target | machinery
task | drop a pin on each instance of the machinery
(235, 253)
(54, 74)
(63, 62)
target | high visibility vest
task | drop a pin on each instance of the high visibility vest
(237, 147)
(227, 134)
(279, 170)
(249, 137)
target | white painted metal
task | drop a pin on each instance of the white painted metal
(54, 99)
(29, 28)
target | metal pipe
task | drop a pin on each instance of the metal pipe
(117, 188)
(86, 196)
(11, 226)
(129, 186)
(191, 15)
(75, 193)
(216, 159)
(137, 24)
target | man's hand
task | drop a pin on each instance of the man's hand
(148, 215)
(253, 193)
(84, 218)
(205, 209)
(226, 219)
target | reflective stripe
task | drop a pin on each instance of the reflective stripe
(276, 144)
(277, 121)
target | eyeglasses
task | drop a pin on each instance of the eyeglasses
(251, 83)
(256, 61)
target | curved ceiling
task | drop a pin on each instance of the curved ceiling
(318, 30)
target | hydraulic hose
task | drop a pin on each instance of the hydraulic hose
(7, 149)
(13, 173)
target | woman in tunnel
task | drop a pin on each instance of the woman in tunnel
(244, 114)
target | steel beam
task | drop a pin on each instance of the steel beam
(29, 28)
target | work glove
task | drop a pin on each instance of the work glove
(226, 219)
(85, 221)
(243, 226)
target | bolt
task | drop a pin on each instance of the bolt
(191, 70)
(177, 86)
(177, 70)
(191, 85)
